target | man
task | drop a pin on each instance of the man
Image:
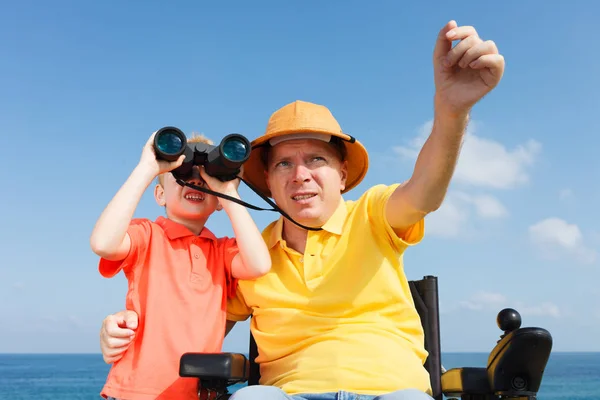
(335, 317)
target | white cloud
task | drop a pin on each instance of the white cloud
(484, 300)
(554, 236)
(483, 162)
(452, 218)
(486, 206)
(490, 301)
(543, 310)
(448, 220)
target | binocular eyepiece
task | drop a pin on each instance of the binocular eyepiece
(222, 161)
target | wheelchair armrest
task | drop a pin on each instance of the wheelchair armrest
(215, 369)
(460, 381)
(514, 369)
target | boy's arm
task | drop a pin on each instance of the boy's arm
(109, 238)
(253, 259)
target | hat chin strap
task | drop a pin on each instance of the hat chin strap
(243, 203)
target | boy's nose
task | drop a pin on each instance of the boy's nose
(195, 178)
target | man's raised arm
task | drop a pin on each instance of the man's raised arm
(463, 75)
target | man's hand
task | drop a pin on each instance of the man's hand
(116, 334)
(465, 73)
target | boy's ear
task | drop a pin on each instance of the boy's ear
(159, 195)
(219, 206)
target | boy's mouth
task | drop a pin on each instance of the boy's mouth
(194, 196)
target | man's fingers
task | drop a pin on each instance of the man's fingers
(117, 344)
(475, 52)
(456, 54)
(112, 358)
(443, 45)
(460, 32)
(114, 326)
(125, 318)
(491, 61)
(494, 63)
(131, 317)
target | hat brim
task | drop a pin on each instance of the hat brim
(356, 156)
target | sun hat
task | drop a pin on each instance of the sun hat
(304, 120)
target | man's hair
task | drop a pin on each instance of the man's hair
(335, 142)
(196, 138)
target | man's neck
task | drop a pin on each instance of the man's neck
(294, 236)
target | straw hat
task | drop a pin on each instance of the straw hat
(304, 120)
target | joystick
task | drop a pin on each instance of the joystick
(508, 320)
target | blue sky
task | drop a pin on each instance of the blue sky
(83, 84)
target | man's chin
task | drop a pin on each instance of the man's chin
(309, 219)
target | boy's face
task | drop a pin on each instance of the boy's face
(184, 203)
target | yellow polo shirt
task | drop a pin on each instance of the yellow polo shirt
(340, 316)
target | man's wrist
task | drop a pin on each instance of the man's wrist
(443, 111)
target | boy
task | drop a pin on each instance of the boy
(179, 274)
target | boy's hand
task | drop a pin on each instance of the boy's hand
(229, 188)
(154, 165)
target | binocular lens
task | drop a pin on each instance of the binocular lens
(169, 142)
(235, 150)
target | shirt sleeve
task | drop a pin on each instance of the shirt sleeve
(376, 200)
(139, 231)
(229, 249)
(237, 309)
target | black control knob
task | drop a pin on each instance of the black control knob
(508, 320)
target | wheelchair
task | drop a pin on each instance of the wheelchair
(514, 369)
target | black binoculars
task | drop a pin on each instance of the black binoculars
(222, 162)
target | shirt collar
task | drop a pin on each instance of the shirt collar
(334, 225)
(174, 230)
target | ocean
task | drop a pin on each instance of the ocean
(569, 376)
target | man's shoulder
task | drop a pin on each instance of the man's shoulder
(376, 192)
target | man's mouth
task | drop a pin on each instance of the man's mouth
(303, 196)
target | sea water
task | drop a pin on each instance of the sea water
(569, 376)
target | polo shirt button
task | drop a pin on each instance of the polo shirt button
(301, 259)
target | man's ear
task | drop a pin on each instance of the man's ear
(159, 195)
(343, 175)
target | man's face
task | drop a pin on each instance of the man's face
(306, 177)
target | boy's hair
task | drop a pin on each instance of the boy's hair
(196, 138)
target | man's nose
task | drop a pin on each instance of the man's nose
(301, 173)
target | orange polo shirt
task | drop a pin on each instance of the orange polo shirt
(178, 283)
